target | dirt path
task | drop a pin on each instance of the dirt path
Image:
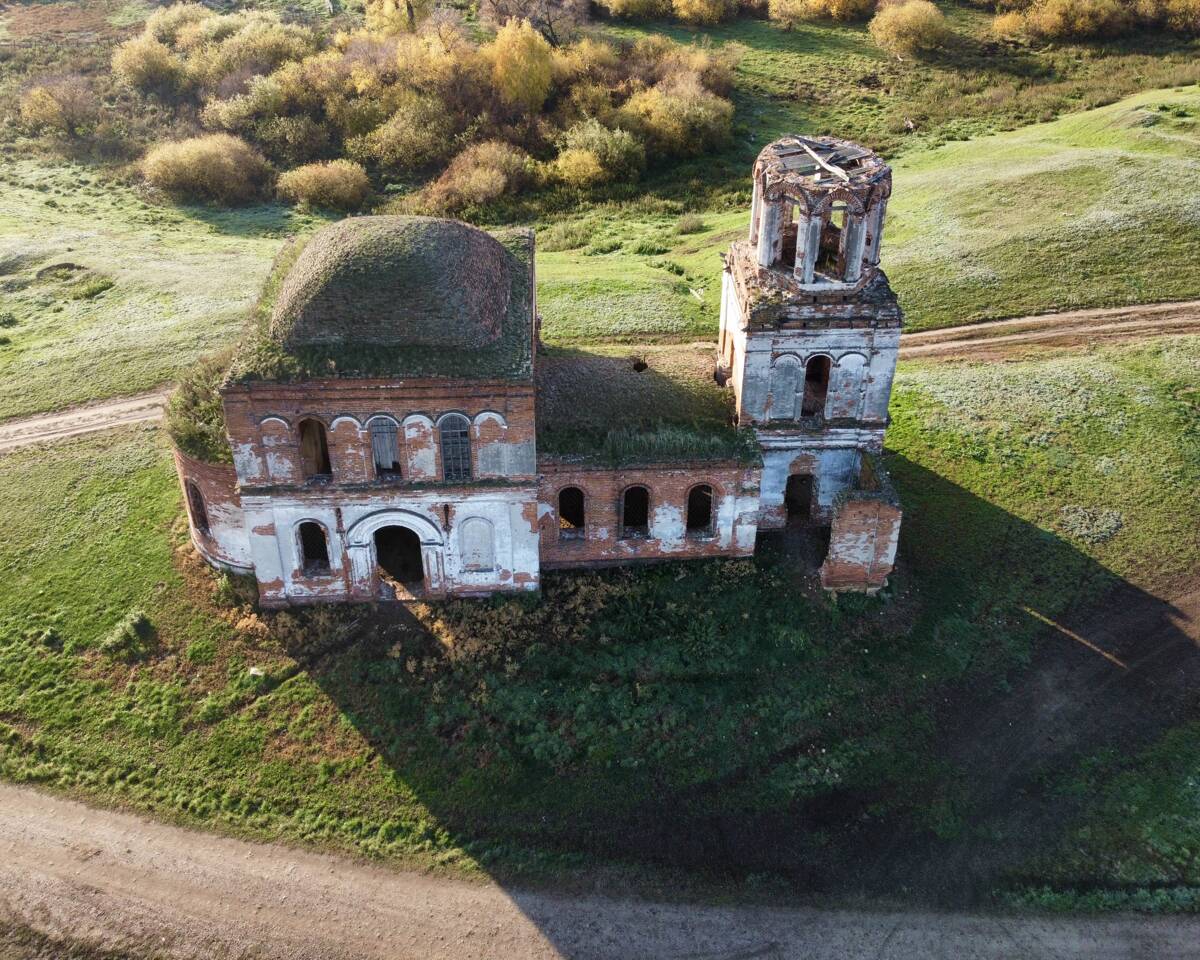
(122, 882)
(975, 341)
(979, 341)
(80, 420)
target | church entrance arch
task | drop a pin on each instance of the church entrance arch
(396, 555)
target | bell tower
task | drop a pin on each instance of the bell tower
(810, 328)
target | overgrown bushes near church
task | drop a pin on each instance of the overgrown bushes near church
(482, 120)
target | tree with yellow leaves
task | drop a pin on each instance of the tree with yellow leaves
(522, 65)
(396, 16)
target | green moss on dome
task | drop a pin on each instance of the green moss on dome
(395, 297)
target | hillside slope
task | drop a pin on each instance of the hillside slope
(1099, 208)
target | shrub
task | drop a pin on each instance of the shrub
(195, 414)
(65, 107)
(678, 117)
(395, 16)
(479, 175)
(592, 153)
(1011, 24)
(256, 43)
(1182, 16)
(1076, 19)
(149, 66)
(791, 12)
(579, 168)
(217, 167)
(339, 185)
(168, 24)
(690, 223)
(131, 638)
(522, 65)
(418, 134)
(909, 27)
(637, 9)
(704, 11)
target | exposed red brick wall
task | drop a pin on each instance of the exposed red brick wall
(268, 453)
(224, 543)
(862, 545)
(669, 486)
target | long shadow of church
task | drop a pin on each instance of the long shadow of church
(1109, 665)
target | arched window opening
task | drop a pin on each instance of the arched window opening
(314, 451)
(197, 508)
(635, 513)
(570, 514)
(829, 256)
(816, 386)
(314, 548)
(789, 228)
(700, 511)
(478, 544)
(385, 448)
(456, 448)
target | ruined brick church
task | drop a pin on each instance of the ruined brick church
(396, 429)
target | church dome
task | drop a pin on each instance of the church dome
(395, 281)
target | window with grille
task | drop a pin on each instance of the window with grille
(385, 448)
(456, 448)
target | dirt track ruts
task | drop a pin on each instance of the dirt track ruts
(122, 882)
(972, 341)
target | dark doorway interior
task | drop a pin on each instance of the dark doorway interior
(398, 552)
(798, 499)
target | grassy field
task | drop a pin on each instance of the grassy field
(102, 294)
(530, 738)
(1095, 209)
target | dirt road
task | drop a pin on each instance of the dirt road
(974, 341)
(979, 341)
(80, 420)
(122, 882)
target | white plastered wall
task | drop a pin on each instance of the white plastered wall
(273, 521)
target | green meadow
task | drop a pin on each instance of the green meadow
(133, 674)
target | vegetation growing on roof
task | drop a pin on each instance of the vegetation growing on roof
(195, 414)
(660, 405)
(285, 344)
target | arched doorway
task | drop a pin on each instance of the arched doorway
(398, 558)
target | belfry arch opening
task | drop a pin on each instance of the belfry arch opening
(816, 386)
(398, 557)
